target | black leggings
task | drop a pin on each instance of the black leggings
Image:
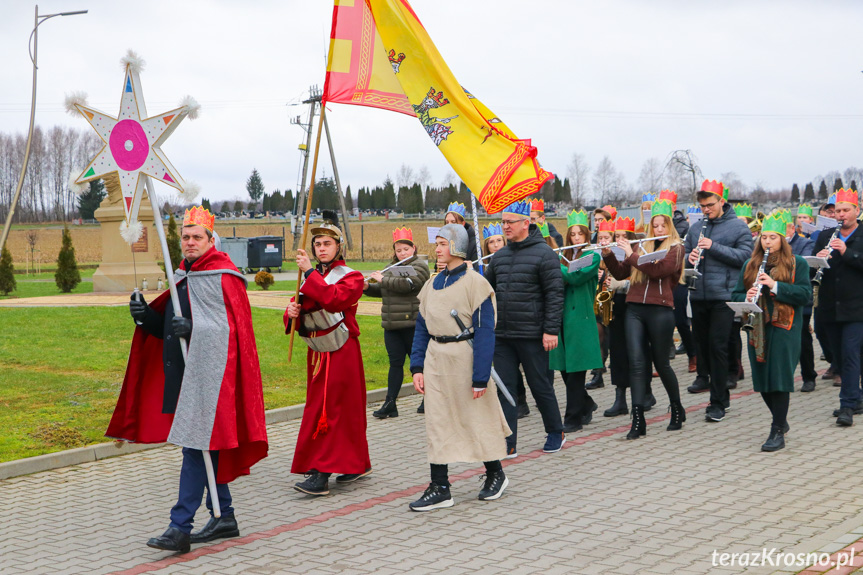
(398, 343)
(440, 471)
(649, 330)
(619, 364)
(777, 402)
(684, 327)
(578, 401)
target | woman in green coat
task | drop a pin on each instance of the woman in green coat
(577, 350)
(781, 290)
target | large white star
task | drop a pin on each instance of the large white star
(132, 145)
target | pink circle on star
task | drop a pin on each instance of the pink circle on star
(129, 145)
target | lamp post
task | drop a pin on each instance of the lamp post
(34, 39)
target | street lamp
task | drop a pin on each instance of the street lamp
(34, 40)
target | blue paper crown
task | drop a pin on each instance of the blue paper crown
(521, 208)
(832, 199)
(693, 210)
(492, 230)
(457, 208)
(648, 197)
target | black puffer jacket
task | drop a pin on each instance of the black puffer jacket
(681, 224)
(400, 305)
(721, 264)
(839, 297)
(528, 286)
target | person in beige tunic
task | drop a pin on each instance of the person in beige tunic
(464, 422)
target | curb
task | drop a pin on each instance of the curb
(99, 451)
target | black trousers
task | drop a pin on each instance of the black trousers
(440, 471)
(735, 350)
(578, 401)
(711, 326)
(529, 354)
(398, 343)
(619, 364)
(823, 340)
(777, 402)
(649, 330)
(681, 321)
(807, 353)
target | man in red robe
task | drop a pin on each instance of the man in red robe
(211, 401)
(332, 436)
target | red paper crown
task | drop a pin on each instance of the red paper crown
(403, 234)
(537, 206)
(848, 196)
(624, 225)
(713, 187)
(610, 210)
(198, 216)
(669, 195)
(437, 98)
(393, 58)
(606, 226)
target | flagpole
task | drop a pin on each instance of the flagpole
(476, 231)
(184, 346)
(306, 224)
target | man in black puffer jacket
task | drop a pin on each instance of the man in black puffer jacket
(528, 284)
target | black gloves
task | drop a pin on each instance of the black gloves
(182, 326)
(138, 308)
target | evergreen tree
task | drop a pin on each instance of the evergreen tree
(464, 195)
(795, 194)
(377, 198)
(389, 195)
(837, 184)
(205, 203)
(288, 205)
(255, 186)
(173, 239)
(324, 196)
(67, 275)
(808, 193)
(558, 190)
(89, 201)
(239, 207)
(853, 185)
(7, 272)
(349, 201)
(404, 201)
(567, 191)
(265, 203)
(822, 191)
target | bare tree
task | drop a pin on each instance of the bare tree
(688, 163)
(404, 177)
(737, 190)
(650, 178)
(578, 170)
(423, 177)
(605, 181)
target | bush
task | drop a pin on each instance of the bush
(7, 272)
(67, 275)
(264, 279)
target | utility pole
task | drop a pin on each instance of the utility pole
(345, 226)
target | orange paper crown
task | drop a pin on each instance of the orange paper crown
(713, 187)
(403, 234)
(198, 216)
(848, 196)
(669, 195)
(537, 206)
(606, 226)
(624, 225)
(609, 209)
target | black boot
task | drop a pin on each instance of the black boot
(316, 484)
(678, 416)
(171, 540)
(596, 381)
(619, 406)
(649, 400)
(422, 407)
(523, 410)
(217, 528)
(639, 426)
(388, 409)
(775, 442)
(587, 415)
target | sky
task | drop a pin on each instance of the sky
(768, 90)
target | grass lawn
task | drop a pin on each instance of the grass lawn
(61, 370)
(40, 288)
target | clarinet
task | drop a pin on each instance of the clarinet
(816, 281)
(692, 278)
(750, 321)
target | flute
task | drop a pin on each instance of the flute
(750, 322)
(372, 280)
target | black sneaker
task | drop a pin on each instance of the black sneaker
(315, 484)
(714, 413)
(846, 417)
(388, 409)
(857, 409)
(493, 487)
(435, 497)
(523, 411)
(700, 385)
(680, 349)
(422, 407)
(808, 386)
(351, 477)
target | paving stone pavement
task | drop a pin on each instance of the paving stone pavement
(661, 504)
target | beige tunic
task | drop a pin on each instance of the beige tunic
(459, 427)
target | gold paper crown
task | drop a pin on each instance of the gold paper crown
(198, 216)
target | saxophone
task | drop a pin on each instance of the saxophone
(603, 304)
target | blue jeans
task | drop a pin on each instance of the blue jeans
(193, 480)
(846, 341)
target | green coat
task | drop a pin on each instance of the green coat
(578, 343)
(782, 345)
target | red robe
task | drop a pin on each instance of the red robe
(332, 436)
(239, 431)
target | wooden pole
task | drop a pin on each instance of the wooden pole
(306, 225)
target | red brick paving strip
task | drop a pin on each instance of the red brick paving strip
(855, 564)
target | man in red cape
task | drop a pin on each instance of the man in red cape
(213, 400)
(332, 436)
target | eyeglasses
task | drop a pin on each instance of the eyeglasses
(708, 206)
(510, 222)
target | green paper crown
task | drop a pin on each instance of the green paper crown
(805, 210)
(578, 218)
(543, 229)
(775, 223)
(662, 208)
(787, 216)
(725, 192)
(744, 210)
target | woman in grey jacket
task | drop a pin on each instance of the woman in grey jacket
(398, 312)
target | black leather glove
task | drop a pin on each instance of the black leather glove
(182, 326)
(138, 308)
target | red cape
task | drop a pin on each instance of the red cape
(239, 432)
